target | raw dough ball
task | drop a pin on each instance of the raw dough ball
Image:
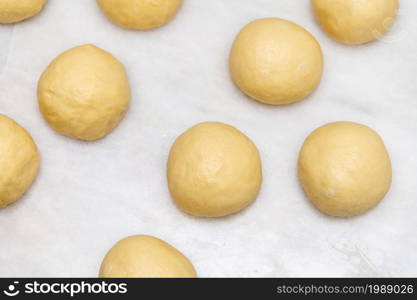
(145, 257)
(355, 21)
(19, 161)
(276, 61)
(84, 93)
(140, 14)
(214, 170)
(344, 168)
(12, 11)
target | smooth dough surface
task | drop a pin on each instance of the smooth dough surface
(214, 170)
(13, 11)
(19, 161)
(275, 61)
(355, 21)
(140, 14)
(143, 256)
(84, 93)
(344, 168)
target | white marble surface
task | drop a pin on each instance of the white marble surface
(89, 195)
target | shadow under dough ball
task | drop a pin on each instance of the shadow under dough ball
(144, 256)
(19, 161)
(13, 11)
(84, 93)
(344, 168)
(275, 61)
(214, 170)
(140, 14)
(355, 21)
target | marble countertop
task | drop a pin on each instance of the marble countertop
(89, 195)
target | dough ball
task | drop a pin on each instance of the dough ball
(344, 168)
(276, 61)
(12, 11)
(144, 256)
(19, 161)
(214, 170)
(140, 14)
(84, 93)
(355, 21)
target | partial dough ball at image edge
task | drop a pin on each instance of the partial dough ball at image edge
(19, 161)
(13, 11)
(276, 61)
(344, 168)
(213, 170)
(140, 14)
(144, 256)
(355, 21)
(84, 93)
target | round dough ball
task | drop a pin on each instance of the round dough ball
(140, 14)
(275, 61)
(355, 21)
(13, 11)
(214, 170)
(143, 256)
(344, 168)
(84, 93)
(19, 161)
